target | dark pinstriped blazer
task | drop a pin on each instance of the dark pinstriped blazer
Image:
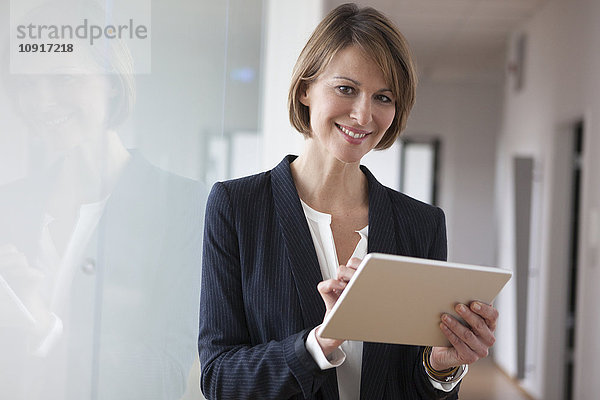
(259, 296)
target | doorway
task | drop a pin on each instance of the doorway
(573, 262)
(419, 168)
(560, 318)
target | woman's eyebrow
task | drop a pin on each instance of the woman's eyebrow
(357, 83)
(348, 79)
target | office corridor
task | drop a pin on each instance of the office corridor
(485, 381)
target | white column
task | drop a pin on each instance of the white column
(289, 24)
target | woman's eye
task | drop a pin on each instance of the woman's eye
(346, 89)
(383, 98)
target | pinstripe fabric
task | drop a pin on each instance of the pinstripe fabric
(259, 297)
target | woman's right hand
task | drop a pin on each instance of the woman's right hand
(330, 290)
(23, 284)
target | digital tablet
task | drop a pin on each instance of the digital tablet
(13, 313)
(396, 299)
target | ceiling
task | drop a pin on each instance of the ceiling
(457, 40)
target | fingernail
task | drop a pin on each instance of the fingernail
(476, 306)
(461, 308)
(445, 318)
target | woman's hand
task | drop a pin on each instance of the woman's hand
(23, 284)
(469, 343)
(330, 290)
(27, 310)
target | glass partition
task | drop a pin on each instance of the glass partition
(108, 150)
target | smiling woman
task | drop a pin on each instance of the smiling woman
(382, 45)
(350, 106)
(281, 246)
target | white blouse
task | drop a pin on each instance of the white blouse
(348, 358)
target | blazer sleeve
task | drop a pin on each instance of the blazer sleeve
(438, 250)
(232, 366)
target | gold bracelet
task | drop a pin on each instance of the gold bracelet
(445, 375)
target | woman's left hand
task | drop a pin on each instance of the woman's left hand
(469, 343)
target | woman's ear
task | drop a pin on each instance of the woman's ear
(304, 95)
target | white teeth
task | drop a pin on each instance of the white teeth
(56, 121)
(352, 134)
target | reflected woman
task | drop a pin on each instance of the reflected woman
(281, 246)
(100, 249)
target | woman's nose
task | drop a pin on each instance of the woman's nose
(37, 96)
(361, 111)
(48, 94)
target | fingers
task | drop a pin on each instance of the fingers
(331, 286)
(10, 257)
(353, 262)
(487, 312)
(463, 354)
(15, 267)
(469, 343)
(478, 325)
(330, 290)
(463, 339)
(345, 272)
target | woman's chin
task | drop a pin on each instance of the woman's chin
(349, 157)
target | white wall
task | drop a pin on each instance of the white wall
(561, 86)
(289, 24)
(466, 118)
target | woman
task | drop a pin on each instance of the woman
(274, 241)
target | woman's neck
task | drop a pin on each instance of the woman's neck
(89, 173)
(328, 184)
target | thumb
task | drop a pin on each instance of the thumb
(353, 262)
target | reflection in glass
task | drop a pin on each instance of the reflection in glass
(99, 249)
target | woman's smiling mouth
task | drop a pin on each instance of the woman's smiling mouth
(53, 122)
(352, 132)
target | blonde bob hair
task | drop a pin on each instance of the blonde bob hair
(381, 41)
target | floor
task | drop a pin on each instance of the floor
(485, 381)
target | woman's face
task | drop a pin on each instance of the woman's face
(350, 105)
(66, 108)
(65, 98)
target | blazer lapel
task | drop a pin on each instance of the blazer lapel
(298, 240)
(382, 239)
(382, 226)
